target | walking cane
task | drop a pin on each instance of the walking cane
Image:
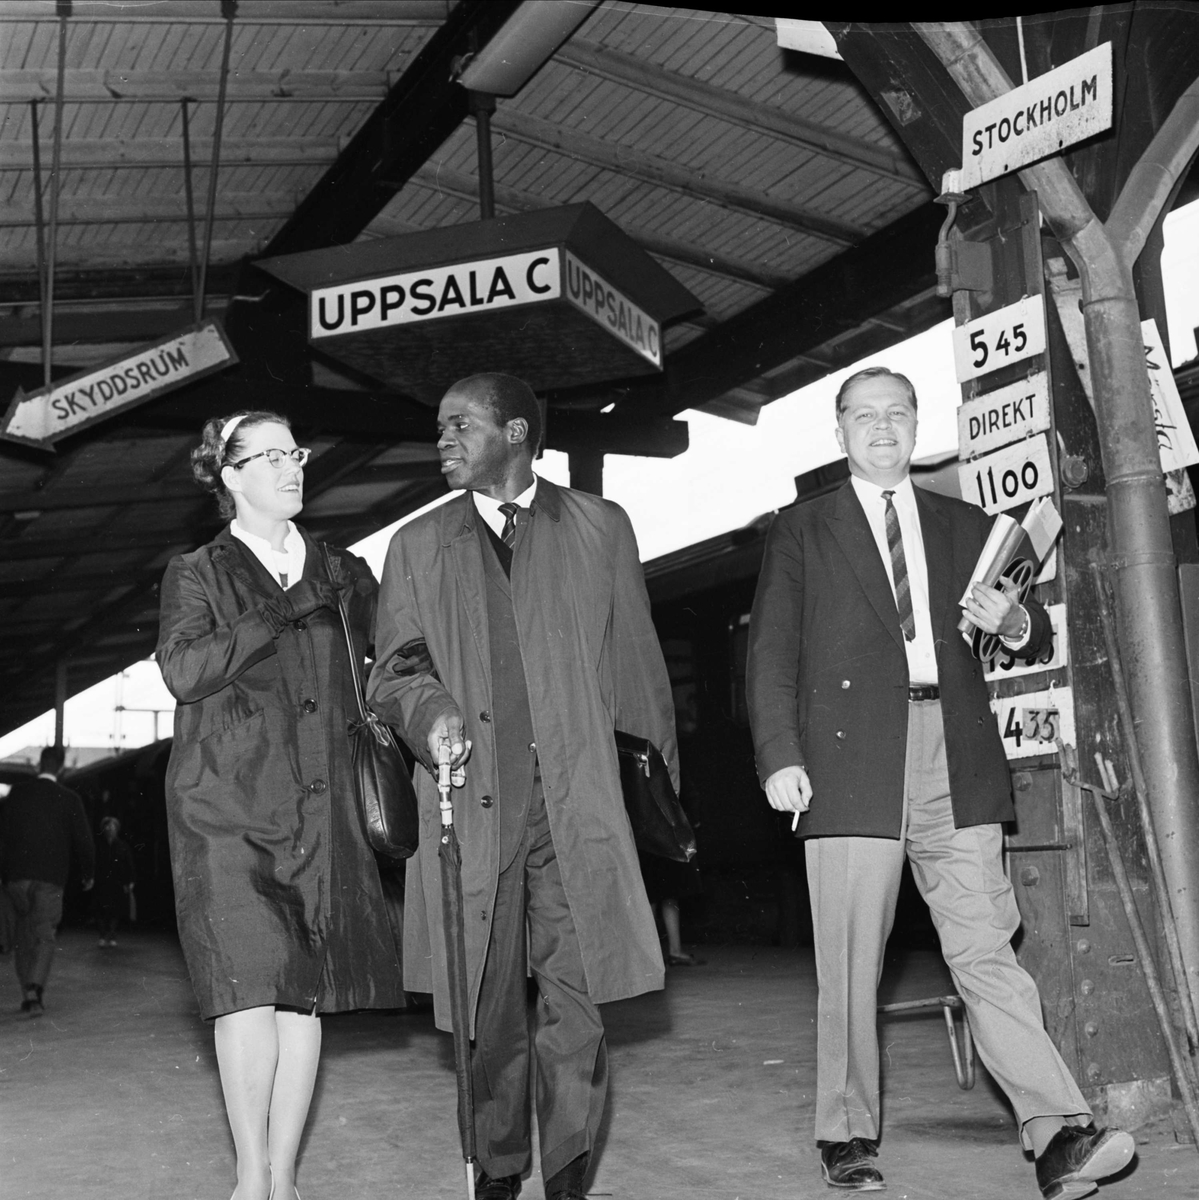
(455, 957)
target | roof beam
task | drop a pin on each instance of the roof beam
(114, 323)
(419, 113)
(116, 255)
(100, 210)
(112, 154)
(91, 498)
(249, 12)
(618, 67)
(466, 187)
(81, 86)
(889, 267)
(151, 281)
(631, 163)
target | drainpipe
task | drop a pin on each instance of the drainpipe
(1142, 558)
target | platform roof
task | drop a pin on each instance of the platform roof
(767, 182)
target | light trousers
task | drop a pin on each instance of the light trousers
(39, 910)
(854, 884)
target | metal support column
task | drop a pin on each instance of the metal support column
(1146, 579)
(587, 471)
(60, 701)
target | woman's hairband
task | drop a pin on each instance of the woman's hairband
(230, 426)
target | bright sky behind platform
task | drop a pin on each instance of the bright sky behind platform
(730, 474)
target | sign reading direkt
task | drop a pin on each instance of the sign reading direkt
(1066, 105)
(484, 285)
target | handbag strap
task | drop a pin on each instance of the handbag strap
(345, 625)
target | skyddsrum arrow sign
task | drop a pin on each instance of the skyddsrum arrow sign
(42, 417)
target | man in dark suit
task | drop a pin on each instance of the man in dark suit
(41, 824)
(515, 617)
(872, 724)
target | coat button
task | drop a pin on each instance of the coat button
(841, 733)
(309, 706)
(532, 747)
(486, 801)
(485, 715)
(301, 626)
(844, 683)
(317, 786)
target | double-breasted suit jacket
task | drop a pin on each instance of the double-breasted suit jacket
(592, 663)
(277, 893)
(828, 675)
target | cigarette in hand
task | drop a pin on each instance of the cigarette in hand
(795, 821)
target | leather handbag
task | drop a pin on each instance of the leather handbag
(660, 827)
(382, 782)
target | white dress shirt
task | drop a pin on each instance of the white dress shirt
(921, 651)
(489, 509)
(286, 565)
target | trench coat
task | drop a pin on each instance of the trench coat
(276, 890)
(592, 664)
(827, 674)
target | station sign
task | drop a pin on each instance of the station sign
(587, 290)
(434, 293)
(1005, 415)
(1033, 723)
(1008, 477)
(1006, 665)
(480, 286)
(1041, 117)
(42, 417)
(1175, 439)
(998, 339)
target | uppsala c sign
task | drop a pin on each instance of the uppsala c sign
(481, 286)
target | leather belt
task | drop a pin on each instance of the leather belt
(924, 691)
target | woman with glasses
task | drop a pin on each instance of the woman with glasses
(281, 912)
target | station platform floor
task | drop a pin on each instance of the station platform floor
(113, 1094)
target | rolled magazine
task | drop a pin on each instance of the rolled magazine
(1015, 551)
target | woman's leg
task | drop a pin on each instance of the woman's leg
(299, 1041)
(247, 1052)
(670, 922)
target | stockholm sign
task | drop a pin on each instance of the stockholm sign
(1041, 117)
(42, 417)
(480, 286)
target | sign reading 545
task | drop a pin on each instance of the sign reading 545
(1005, 336)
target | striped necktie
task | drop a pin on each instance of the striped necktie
(508, 533)
(899, 570)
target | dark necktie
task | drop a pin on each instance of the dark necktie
(508, 533)
(899, 570)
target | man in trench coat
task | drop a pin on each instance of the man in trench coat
(514, 622)
(872, 724)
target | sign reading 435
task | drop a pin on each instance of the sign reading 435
(1032, 723)
(1000, 338)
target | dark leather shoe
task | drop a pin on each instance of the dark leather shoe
(1079, 1156)
(847, 1165)
(507, 1187)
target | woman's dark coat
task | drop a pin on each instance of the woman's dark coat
(276, 891)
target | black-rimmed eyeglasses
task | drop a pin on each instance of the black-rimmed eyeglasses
(276, 457)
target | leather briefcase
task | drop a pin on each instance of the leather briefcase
(660, 826)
